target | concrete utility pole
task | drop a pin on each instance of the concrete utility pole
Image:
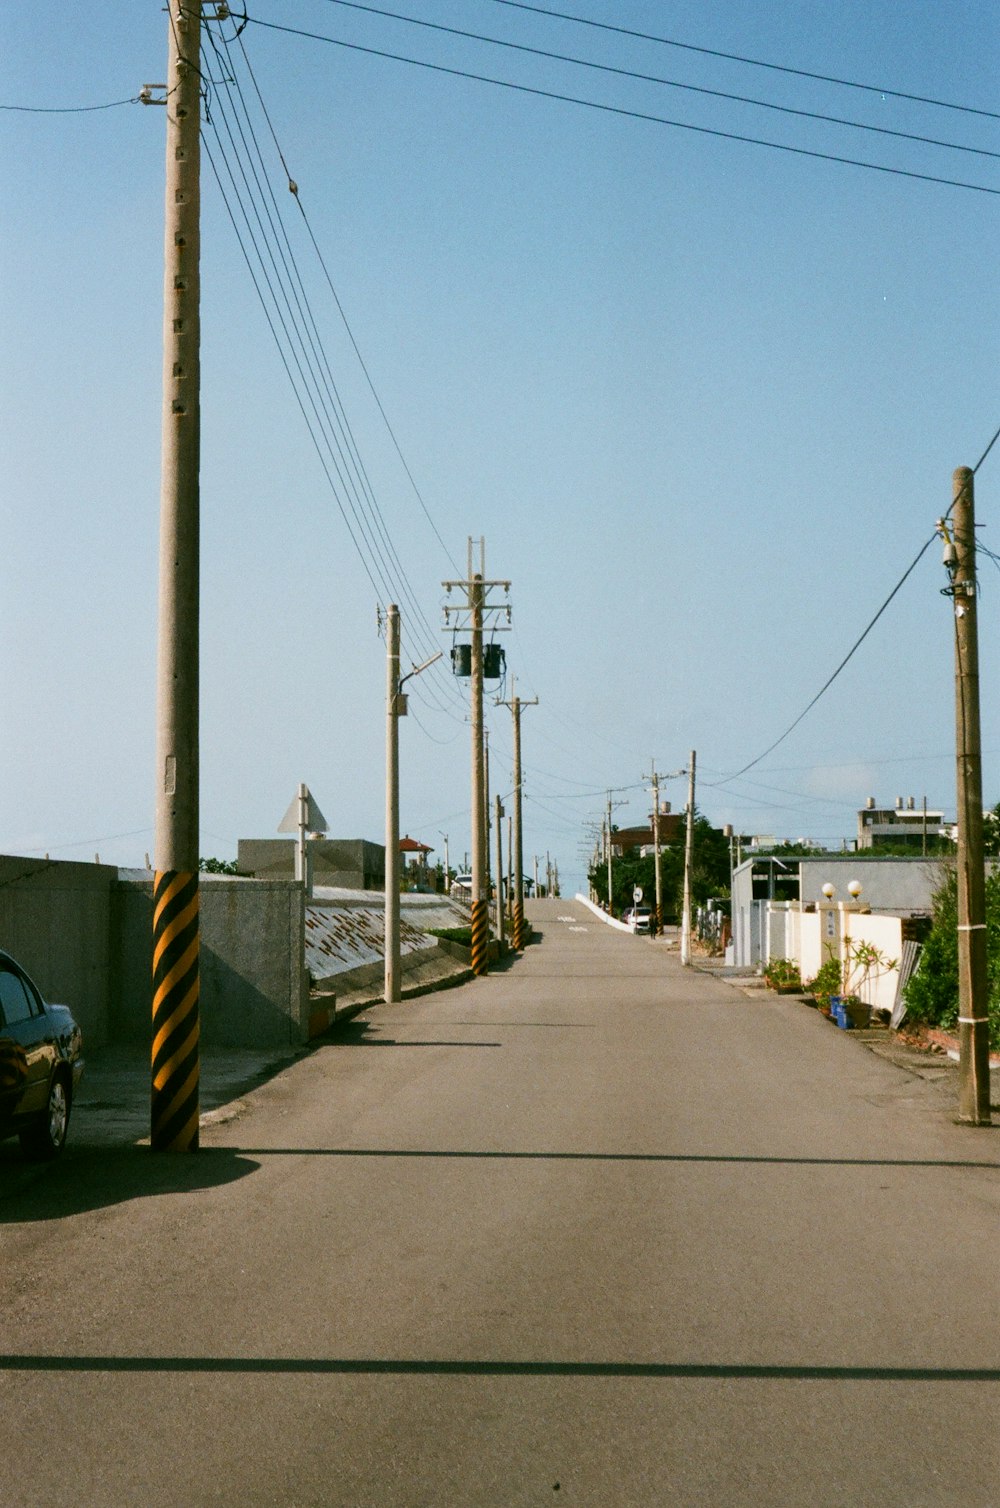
(392, 855)
(447, 866)
(472, 616)
(175, 1061)
(486, 810)
(656, 851)
(395, 708)
(973, 1025)
(688, 853)
(501, 929)
(534, 859)
(516, 704)
(611, 903)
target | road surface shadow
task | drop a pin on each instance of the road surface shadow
(358, 1033)
(475, 1154)
(96, 1179)
(349, 1366)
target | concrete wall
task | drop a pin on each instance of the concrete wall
(888, 884)
(56, 920)
(254, 987)
(831, 931)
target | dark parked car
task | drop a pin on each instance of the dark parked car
(41, 1061)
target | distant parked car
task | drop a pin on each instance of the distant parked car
(461, 885)
(41, 1060)
(641, 919)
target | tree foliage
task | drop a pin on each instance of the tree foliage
(932, 992)
(709, 873)
(218, 866)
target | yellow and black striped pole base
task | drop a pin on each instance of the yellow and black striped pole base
(517, 926)
(174, 1097)
(480, 936)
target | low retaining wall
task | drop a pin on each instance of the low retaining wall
(602, 915)
(56, 918)
(254, 987)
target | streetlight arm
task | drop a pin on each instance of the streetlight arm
(417, 669)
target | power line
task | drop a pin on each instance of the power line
(652, 78)
(660, 120)
(300, 346)
(294, 188)
(71, 109)
(830, 680)
(350, 468)
(354, 474)
(735, 57)
(858, 642)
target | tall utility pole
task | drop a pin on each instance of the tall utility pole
(175, 1059)
(516, 704)
(447, 867)
(534, 860)
(395, 708)
(611, 903)
(499, 826)
(392, 855)
(486, 809)
(688, 852)
(656, 852)
(471, 616)
(973, 1026)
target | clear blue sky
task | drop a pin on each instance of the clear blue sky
(704, 400)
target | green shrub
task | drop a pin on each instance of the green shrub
(826, 983)
(932, 992)
(461, 935)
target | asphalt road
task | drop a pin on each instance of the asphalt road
(593, 1230)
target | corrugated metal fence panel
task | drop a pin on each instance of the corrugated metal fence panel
(907, 964)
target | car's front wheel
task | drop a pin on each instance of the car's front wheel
(46, 1136)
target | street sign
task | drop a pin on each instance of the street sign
(637, 894)
(315, 822)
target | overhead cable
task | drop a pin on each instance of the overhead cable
(296, 334)
(660, 120)
(735, 57)
(652, 78)
(70, 109)
(830, 680)
(295, 190)
(859, 641)
(353, 473)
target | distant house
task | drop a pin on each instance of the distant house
(345, 863)
(414, 860)
(906, 825)
(628, 840)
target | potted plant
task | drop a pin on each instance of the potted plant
(782, 975)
